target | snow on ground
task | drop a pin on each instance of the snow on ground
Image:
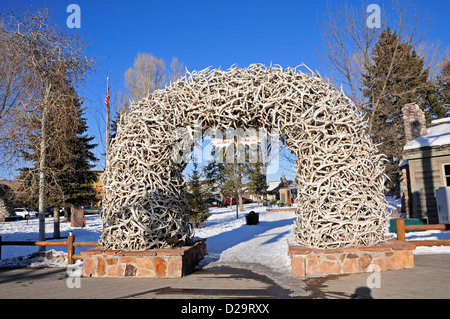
(28, 230)
(261, 248)
(230, 242)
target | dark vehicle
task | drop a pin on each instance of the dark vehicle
(49, 212)
(211, 201)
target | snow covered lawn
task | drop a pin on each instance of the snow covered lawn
(28, 230)
(229, 242)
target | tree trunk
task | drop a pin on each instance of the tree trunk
(56, 231)
(237, 205)
(42, 171)
(241, 203)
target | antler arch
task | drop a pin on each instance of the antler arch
(339, 170)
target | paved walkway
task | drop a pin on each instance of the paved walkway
(430, 278)
(210, 283)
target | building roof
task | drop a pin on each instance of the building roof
(438, 134)
(271, 186)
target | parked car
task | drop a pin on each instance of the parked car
(230, 201)
(211, 201)
(25, 212)
(233, 202)
(49, 212)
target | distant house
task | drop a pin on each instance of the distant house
(283, 191)
(272, 190)
(98, 186)
(425, 165)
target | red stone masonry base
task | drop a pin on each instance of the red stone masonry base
(155, 263)
(391, 255)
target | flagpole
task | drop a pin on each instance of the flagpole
(107, 103)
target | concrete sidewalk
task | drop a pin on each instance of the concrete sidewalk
(214, 283)
(430, 278)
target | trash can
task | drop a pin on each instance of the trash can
(252, 218)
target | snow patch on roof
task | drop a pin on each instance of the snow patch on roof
(437, 135)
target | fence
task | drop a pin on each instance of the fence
(70, 243)
(402, 228)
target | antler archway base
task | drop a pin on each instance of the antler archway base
(340, 173)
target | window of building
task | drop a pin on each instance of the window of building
(447, 174)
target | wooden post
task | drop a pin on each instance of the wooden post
(0, 247)
(70, 248)
(400, 223)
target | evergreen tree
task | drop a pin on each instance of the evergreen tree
(239, 175)
(439, 99)
(231, 178)
(257, 181)
(235, 179)
(69, 176)
(79, 188)
(115, 121)
(444, 83)
(198, 211)
(215, 179)
(395, 77)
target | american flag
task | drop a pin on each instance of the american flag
(107, 98)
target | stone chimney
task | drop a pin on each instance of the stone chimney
(415, 126)
(414, 121)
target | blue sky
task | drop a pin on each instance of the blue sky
(201, 34)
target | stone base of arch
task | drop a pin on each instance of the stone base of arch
(315, 262)
(154, 263)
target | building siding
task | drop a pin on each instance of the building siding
(426, 175)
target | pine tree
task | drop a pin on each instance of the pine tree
(198, 211)
(439, 99)
(69, 158)
(257, 183)
(235, 179)
(79, 188)
(395, 77)
(444, 86)
(115, 121)
(215, 179)
(238, 175)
